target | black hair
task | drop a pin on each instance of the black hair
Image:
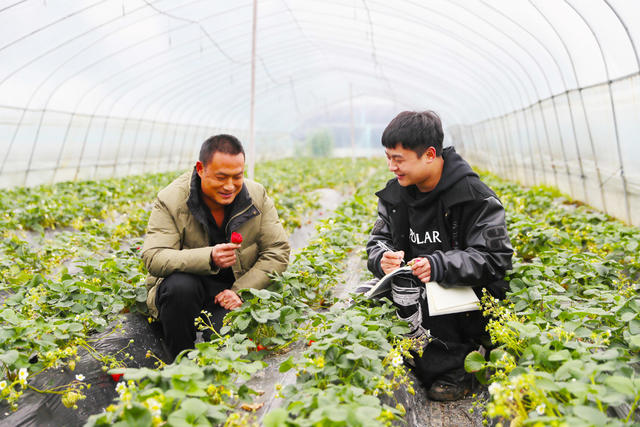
(415, 131)
(223, 143)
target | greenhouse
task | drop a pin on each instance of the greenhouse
(266, 163)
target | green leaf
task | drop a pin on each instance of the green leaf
(559, 355)
(10, 316)
(613, 398)
(337, 414)
(527, 330)
(191, 413)
(590, 414)
(610, 354)
(627, 316)
(634, 341)
(287, 364)
(474, 362)
(275, 418)
(621, 384)
(496, 355)
(75, 327)
(547, 384)
(136, 415)
(568, 369)
(9, 357)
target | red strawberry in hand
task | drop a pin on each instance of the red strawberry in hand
(236, 238)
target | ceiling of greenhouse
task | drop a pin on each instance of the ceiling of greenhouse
(191, 61)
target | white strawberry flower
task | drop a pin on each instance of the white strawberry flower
(121, 388)
(154, 406)
(396, 361)
(23, 374)
(494, 388)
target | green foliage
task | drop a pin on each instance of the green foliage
(346, 382)
(319, 144)
(291, 182)
(569, 332)
(567, 338)
(95, 229)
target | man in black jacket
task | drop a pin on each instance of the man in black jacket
(438, 214)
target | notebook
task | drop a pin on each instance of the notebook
(455, 299)
(441, 300)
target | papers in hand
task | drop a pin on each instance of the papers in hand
(440, 300)
(456, 299)
(384, 285)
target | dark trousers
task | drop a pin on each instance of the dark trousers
(453, 335)
(180, 299)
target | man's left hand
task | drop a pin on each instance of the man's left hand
(228, 299)
(422, 269)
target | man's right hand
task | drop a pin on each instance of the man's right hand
(224, 254)
(391, 261)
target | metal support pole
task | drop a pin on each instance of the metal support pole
(353, 133)
(252, 147)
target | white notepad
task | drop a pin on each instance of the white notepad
(456, 299)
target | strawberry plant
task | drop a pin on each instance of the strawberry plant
(568, 334)
(69, 264)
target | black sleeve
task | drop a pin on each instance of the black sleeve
(487, 252)
(381, 232)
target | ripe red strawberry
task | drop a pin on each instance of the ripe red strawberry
(310, 342)
(116, 377)
(260, 347)
(236, 238)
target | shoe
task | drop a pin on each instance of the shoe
(446, 391)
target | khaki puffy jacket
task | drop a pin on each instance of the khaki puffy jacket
(177, 242)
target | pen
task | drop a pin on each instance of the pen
(386, 247)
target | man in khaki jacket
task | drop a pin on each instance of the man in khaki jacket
(192, 264)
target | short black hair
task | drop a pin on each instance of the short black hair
(222, 143)
(415, 130)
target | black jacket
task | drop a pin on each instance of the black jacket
(476, 250)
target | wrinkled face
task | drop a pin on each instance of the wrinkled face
(221, 179)
(408, 167)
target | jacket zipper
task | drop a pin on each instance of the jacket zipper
(226, 228)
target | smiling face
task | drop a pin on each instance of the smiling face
(423, 171)
(221, 179)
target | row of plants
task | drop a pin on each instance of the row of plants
(568, 336)
(58, 288)
(91, 216)
(68, 204)
(353, 356)
(291, 182)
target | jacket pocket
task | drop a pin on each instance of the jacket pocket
(247, 257)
